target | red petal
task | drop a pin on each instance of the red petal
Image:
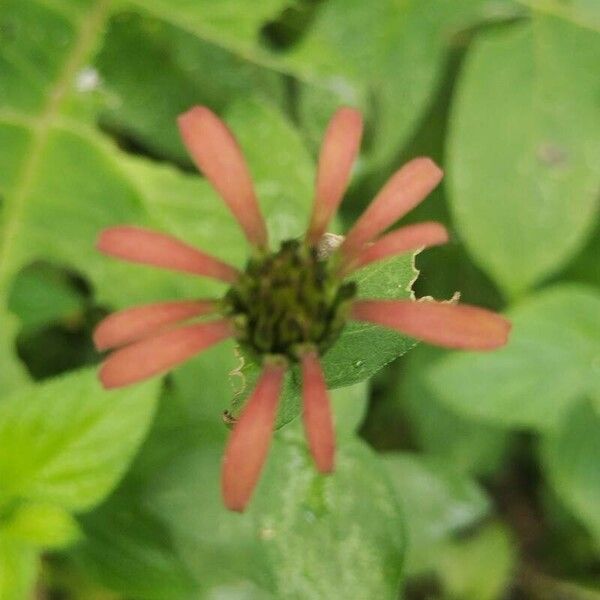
(452, 326)
(338, 151)
(404, 190)
(318, 422)
(411, 237)
(160, 353)
(140, 321)
(250, 439)
(153, 248)
(217, 154)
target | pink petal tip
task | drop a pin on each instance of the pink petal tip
(339, 149)
(250, 439)
(458, 326)
(144, 246)
(405, 239)
(404, 190)
(160, 353)
(318, 421)
(138, 322)
(217, 154)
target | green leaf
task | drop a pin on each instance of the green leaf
(585, 268)
(42, 294)
(349, 406)
(12, 373)
(205, 385)
(438, 502)
(130, 551)
(39, 65)
(584, 13)
(228, 23)
(42, 525)
(480, 567)
(108, 187)
(18, 569)
(570, 458)
(71, 182)
(148, 90)
(547, 365)
(524, 156)
(346, 55)
(391, 52)
(281, 166)
(303, 536)
(467, 444)
(363, 349)
(67, 441)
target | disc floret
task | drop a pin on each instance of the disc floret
(287, 300)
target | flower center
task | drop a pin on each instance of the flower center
(287, 299)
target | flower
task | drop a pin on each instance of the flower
(288, 305)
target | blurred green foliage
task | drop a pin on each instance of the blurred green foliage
(460, 476)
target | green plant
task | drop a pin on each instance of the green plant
(458, 475)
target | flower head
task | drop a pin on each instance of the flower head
(288, 305)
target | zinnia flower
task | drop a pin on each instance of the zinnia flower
(288, 305)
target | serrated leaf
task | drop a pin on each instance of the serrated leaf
(547, 365)
(363, 348)
(526, 118)
(289, 540)
(438, 502)
(68, 441)
(570, 458)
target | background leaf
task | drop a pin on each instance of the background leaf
(18, 568)
(479, 567)
(143, 98)
(438, 503)
(570, 457)
(545, 368)
(42, 525)
(131, 552)
(76, 456)
(527, 108)
(504, 93)
(225, 22)
(452, 437)
(288, 541)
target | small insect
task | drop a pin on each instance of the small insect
(229, 419)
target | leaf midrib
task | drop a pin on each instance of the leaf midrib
(90, 28)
